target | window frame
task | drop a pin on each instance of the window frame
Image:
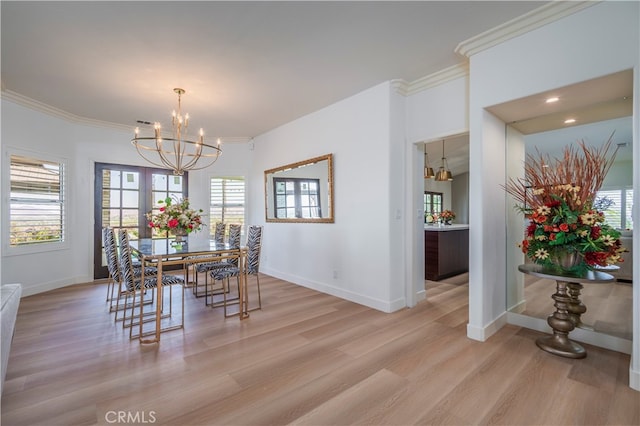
(297, 197)
(424, 201)
(46, 246)
(212, 218)
(625, 208)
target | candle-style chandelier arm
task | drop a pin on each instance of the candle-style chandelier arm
(149, 147)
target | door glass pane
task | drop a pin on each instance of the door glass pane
(159, 182)
(130, 217)
(110, 198)
(111, 217)
(130, 199)
(175, 183)
(131, 180)
(111, 179)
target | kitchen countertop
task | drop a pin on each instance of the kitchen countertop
(441, 228)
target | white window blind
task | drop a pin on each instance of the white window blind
(618, 213)
(227, 201)
(36, 210)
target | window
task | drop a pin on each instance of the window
(432, 203)
(617, 205)
(36, 207)
(227, 201)
(297, 198)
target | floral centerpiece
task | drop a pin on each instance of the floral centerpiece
(566, 230)
(431, 217)
(176, 218)
(447, 216)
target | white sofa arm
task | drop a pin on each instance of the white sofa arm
(10, 299)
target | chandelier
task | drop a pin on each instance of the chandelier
(443, 172)
(177, 152)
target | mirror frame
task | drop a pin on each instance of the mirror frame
(330, 208)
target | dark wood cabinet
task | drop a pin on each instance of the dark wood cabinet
(446, 253)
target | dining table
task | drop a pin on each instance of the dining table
(163, 253)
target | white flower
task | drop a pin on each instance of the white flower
(541, 254)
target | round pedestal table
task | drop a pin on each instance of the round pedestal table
(568, 308)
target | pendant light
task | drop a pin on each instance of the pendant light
(428, 170)
(444, 173)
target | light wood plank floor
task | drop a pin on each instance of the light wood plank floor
(306, 358)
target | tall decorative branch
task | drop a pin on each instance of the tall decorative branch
(575, 178)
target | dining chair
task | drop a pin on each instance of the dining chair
(133, 284)
(115, 278)
(218, 236)
(219, 231)
(252, 265)
(199, 268)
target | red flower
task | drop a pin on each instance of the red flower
(596, 258)
(531, 229)
(525, 246)
(564, 227)
(554, 203)
(548, 228)
(172, 223)
(595, 232)
(552, 237)
(161, 209)
(539, 218)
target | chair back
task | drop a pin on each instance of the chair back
(234, 240)
(218, 235)
(254, 244)
(111, 253)
(126, 262)
(234, 235)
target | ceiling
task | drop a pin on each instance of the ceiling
(247, 67)
(599, 107)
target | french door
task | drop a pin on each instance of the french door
(123, 195)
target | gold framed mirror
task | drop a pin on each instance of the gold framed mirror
(300, 192)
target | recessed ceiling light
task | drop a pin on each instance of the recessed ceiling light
(570, 121)
(552, 100)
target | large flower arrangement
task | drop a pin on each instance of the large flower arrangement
(558, 197)
(176, 218)
(447, 216)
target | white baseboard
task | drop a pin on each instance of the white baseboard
(31, 289)
(483, 333)
(380, 305)
(634, 379)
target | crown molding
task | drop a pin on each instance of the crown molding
(57, 112)
(437, 78)
(543, 15)
(38, 106)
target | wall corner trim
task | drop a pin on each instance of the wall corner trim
(537, 18)
(483, 333)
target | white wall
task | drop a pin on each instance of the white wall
(431, 114)
(599, 40)
(351, 258)
(82, 146)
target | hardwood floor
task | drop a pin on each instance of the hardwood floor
(305, 358)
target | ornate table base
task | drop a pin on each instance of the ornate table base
(561, 323)
(576, 307)
(568, 306)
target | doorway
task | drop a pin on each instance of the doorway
(123, 195)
